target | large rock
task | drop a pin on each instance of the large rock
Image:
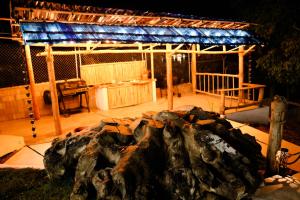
(166, 155)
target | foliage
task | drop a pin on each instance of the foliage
(31, 184)
(278, 25)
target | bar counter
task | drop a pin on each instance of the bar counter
(121, 94)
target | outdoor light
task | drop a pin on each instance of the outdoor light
(174, 57)
(179, 58)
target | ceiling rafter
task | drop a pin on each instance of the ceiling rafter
(22, 13)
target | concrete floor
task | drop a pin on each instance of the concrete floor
(45, 126)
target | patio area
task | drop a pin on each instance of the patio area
(46, 131)
(45, 126)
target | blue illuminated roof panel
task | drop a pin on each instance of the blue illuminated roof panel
(54, 32)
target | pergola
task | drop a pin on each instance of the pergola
(101, 31)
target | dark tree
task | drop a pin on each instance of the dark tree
(278, 23)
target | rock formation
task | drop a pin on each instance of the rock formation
(166, 155)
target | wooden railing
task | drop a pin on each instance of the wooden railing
(249, 94)
(227, 86)
(211, 83)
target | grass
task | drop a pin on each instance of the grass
(31, 184)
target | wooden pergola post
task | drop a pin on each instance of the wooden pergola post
(35, 106)
(194, 69)
(152, 75)
(52, 83)
(278, 110)
(169, 76)
(241, 70)
(222, 104)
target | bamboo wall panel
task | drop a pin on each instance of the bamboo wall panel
(13, 102)
(106, 72)
(131, 94)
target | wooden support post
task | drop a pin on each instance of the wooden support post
(169, 76)
(52, 83)
(194, 69)
(222, 103)
(152, 75)
(278, 109)
(241, 70)
(35, 106)
(260, 94)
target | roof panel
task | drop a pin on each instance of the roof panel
(54, 32)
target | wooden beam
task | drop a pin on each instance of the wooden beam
(222, 103)
(140, 46)
(98, 44)
(151, 20)
(178, 47)
(249, 49)
(194, 68)
(152, 45)
(152, 62)
(211, 47)
(241, 69)
(234, 49)
(135, 51)
(152, 75)
(95, 46)
(52, 83)
(169, 76)
(224, 48)
(35, 106)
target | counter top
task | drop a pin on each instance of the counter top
(123, 83)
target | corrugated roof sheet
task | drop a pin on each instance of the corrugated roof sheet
(54, 32)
